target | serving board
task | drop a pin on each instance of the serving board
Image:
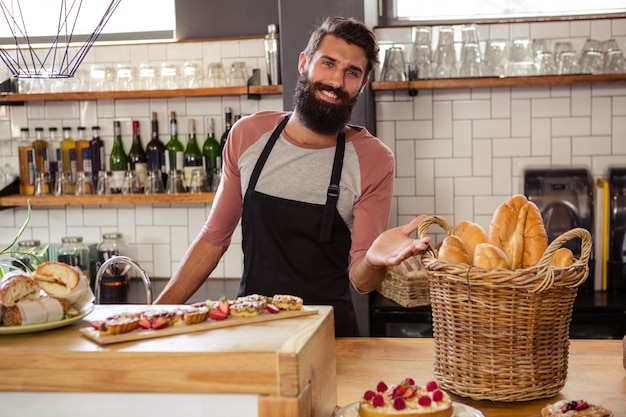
(182, 328)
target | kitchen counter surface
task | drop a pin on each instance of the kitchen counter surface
(595, 373)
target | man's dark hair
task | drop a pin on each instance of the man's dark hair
(350, 30)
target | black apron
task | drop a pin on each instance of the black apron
(292, 247)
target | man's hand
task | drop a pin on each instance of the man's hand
(395, 245)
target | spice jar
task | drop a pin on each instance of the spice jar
(114, 283)
(27, 254)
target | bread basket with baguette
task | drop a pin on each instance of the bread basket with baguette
(406, 284)
(503, 334)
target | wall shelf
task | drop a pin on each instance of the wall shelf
(7, 98)
(488, 82)
(18, 200)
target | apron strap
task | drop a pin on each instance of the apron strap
(332, 195)
(266, 153)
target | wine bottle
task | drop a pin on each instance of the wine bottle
(118, 160)
(211, 152)
(137, 159)
(155, 149)
(228, 122)
(174, 147)
(40, 149)
(97, 154)
(192, 155)
(54, 152)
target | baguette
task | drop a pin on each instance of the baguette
(535, 237)
(38, 311)
(57, 279)
(16, 288)
(562, 258)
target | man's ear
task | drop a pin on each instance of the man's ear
(301, 62)
(365, 80)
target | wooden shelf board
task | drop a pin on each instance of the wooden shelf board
(96, 200)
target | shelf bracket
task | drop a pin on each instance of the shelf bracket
(255, 79)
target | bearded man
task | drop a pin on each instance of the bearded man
(313, 193)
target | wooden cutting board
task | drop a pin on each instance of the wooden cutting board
(182, 328)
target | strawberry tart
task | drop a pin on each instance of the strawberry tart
(574, 408)
(406, 399)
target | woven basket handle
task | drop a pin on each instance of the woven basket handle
(422, 229)
(548, 272)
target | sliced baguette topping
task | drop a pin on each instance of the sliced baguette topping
(16, 288)
(57, 279)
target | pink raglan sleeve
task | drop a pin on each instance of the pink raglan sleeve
(373, 207)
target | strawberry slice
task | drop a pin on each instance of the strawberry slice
(217, 314)
(223, 305)
(96, 324)
(159, 323)
(145, 323)
(272, 308)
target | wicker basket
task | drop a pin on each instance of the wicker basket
(503, 335)
(406, 284)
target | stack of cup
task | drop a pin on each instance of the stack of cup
(444, 55)
(471, 59)
(420, 60)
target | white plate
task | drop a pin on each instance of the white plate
(31, 328)
(459, 410)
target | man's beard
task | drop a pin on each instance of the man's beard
(318, 115)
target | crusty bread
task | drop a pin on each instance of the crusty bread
(517, 228)
(452, 250)
(287, 302)
(471, 234)
(563, 257)
(535, 237)
(38, 311)
(57, 279)
(488, 256)
(506, 229)
(16, 288)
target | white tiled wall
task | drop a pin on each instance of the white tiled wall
(459, 153)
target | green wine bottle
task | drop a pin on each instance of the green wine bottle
(175, 148)
(192, 154)
(228, 122)
(118, 160)
(211, 152)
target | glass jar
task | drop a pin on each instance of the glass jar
(74, 252)
(114, 283)
(28, 262)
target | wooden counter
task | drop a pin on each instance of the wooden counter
(595, 373)
(284, 365)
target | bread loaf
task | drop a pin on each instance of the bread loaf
(471, 234)
(16, 288)
(517, 228)
(488, 256)
(562, 258)
(452, 250)
(57, 279)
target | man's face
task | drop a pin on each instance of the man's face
(329, 85)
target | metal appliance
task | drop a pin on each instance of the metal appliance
(616, 268)
(565, 198)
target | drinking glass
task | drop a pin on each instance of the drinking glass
(155, 182)
(544, 63)
(469, 34)
(444, 55)
(216, 77)
(192, 75)
(83, 183)
(147, 77)
(98, 77)
(104, 183)
(521, 58)
(614, 62)
(61, 186)
(394, 66)
(196, 185)
(217, 177)
(168, 76)
(496, 57)
(567, 63)
(420, 58)
(131, 183)
(175, 183)
(41, 184)
(540, 46)
(237, 76)
(471, 65)
(123, 77)
(592, 62)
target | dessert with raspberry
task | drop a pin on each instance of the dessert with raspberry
(406, 399)
(574, 408)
